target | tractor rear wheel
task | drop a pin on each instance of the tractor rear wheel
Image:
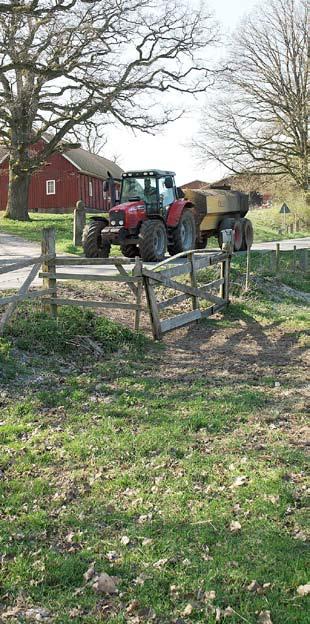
(93, 245)
(130, 251)
(184, 235)
(247, 234)
(153, 240)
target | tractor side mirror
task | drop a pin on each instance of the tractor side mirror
(105, 186)
(168, 182)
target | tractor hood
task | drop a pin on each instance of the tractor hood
(130, 213)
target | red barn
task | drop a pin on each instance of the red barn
(63, 180)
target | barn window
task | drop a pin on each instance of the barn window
(90, 188)
(50, 187)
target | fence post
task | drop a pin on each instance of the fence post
(294, 258)
(247, 275)
(193, 278)
(153, 308)
(137, 271)
(48, 248)
(277, 258)
(305, 260)
(79, 220)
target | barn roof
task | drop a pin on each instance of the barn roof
(90, 164)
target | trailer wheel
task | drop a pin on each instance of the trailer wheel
(93, 245)
(130, 251)
(153, 240)
(247, 234)
(184, 235)
(236, 226)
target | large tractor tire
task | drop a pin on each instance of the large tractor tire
(130, 251)
(202, 242)
(93, 245)
(247, 234)
(236, 226)
(184, 235)
(153, 240)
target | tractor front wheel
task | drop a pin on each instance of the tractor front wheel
(153, 240)
(184, 235)
(93, 245)
(130, 251)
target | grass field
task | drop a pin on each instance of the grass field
(178, 468)
(266, 227)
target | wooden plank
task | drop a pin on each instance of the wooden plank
(185, 288)
(86, 303)
(180, 269)
(212, 310)
(153, 308)
(203, 263)
(89, 277)
(22, 264)
(32, 294)
(179, 320)
(123, 272)
(137, 271)
(23, 289)
(193, 276)
(48, 247)
(82, 261)
(167, 303)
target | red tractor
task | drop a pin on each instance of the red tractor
(151, 216)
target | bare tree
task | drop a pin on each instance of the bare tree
(62, 62)
(258, 120)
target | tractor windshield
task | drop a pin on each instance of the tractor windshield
(135, 189)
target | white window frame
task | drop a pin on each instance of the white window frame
(53, 191)
(90, 188)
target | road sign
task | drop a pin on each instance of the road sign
(284, 209)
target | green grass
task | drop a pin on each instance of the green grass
(144, 443)
(268, 225)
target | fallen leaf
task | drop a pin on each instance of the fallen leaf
(235, 526)
(147, 542)
(209, 595)
(112, 555)
(125, 540)
(218, 614)
(303, 590)
(133, 606)
(89, 573)
(188, 610)
(160, 563)
(239, 481)
(106, 584)
(264, 618)
(228, 612)
(253, 586)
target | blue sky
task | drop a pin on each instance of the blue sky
(167, 150)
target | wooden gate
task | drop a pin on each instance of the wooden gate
(186, 264)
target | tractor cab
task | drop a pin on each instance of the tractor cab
(155, 188)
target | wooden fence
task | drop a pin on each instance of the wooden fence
(163, 275)
(51, 274)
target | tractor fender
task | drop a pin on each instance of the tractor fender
(176, 210)
(102, 219)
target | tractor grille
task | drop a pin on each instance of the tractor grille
(117, 217)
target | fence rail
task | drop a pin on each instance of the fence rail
(161, 276)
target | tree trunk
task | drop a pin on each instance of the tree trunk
(17, 206)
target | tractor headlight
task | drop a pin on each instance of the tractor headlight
(113, 222)
(121, 222)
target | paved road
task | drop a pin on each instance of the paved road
(15, 248)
